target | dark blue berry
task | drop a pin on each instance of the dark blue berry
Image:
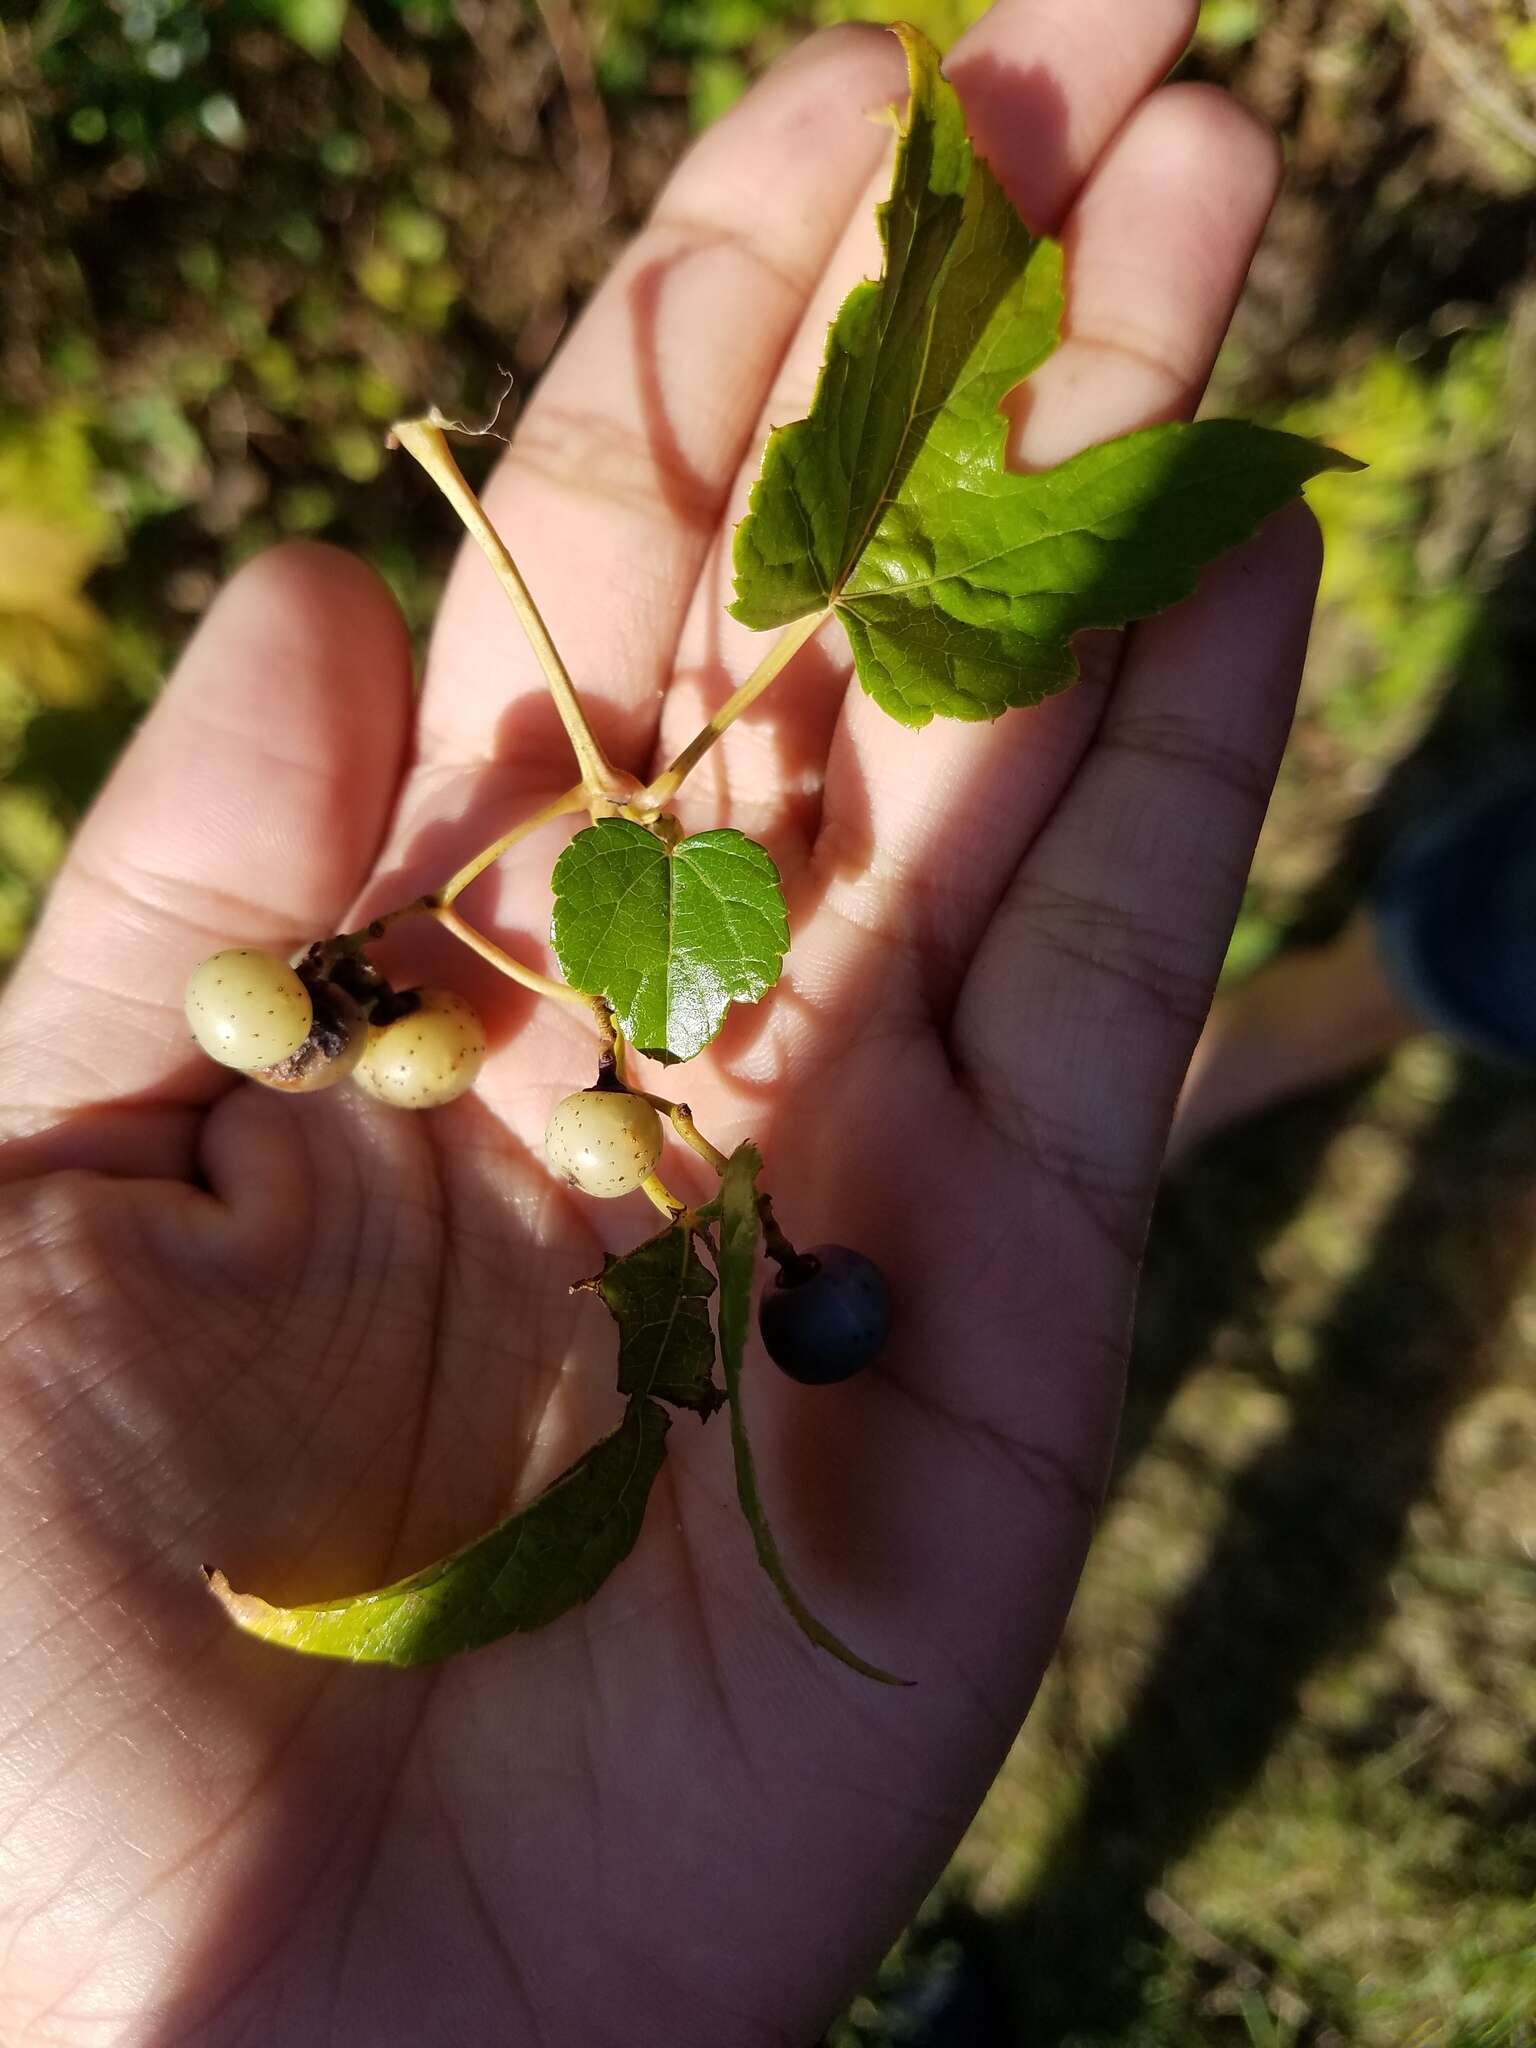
(826, 1316)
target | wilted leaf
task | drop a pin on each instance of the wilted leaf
(523, 1574)
(658, 1294)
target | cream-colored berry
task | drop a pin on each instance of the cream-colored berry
(603, 1141)
(429, 1056)
(336, 1042)
(248, 1009)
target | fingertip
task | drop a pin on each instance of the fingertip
(1295, 538)
(1201, 129)
(1047, 83)
(864, 46)
(851, 66)
(318, 610)
(1158, 246)
(305, 652)
(821, 78)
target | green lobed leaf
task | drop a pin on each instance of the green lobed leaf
(824, 477)
(740, 1229)
(521, 1575)
(671, 936)
(658, 1294)
(959, 582)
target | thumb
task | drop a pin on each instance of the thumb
(247, 811)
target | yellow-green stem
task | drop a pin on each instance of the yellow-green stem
(772, 665)
(680, 1117)
(573, 800)
(663, 1197)
(526, 977)
(424, 439)
(348, 942)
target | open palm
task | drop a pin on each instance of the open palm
(319, 1344)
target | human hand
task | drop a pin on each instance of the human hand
(321, 1344)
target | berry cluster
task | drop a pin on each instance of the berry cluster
(305, 1026)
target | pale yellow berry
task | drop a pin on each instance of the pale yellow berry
(429, 1056)
(603, 1141)
(248, 1009)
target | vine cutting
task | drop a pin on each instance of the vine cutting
(960, 586)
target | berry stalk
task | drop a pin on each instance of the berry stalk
(526, 977)
(562, 807)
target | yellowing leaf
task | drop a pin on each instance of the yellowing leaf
(521, 1575)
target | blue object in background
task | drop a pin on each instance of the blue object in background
(1455, 911)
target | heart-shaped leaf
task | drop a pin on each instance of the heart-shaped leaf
(670, 935)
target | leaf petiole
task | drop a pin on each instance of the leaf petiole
(768, 670)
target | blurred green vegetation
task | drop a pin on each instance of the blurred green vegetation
(1413, 426)
(1404, 598)
(240, 239)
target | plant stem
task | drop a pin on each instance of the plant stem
(353, 942)
(663, 1197)
(573, 800)
(778, 658)
(680, 1117)
(527, 977)
(776, 1245)
(425, 440)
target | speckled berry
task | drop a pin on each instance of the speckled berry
(427, 1055)
(826, 1317)
(248, 1009)
(336, 1042)
(603, 1141)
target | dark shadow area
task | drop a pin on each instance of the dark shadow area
(1488, 712)
(1216, 1218)
(945, 1986)
(1298, 1573)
